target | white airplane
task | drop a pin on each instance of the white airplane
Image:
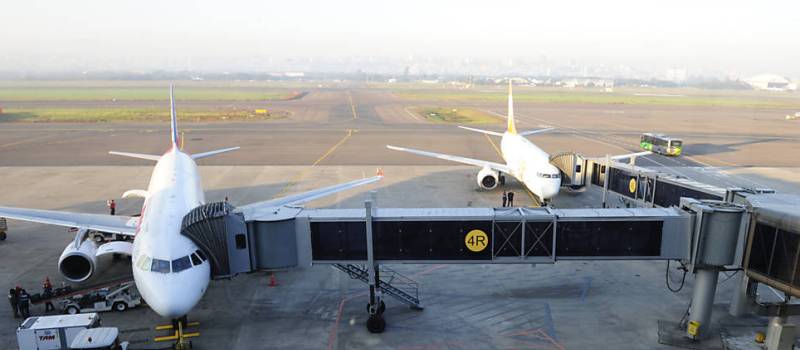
(170, 271)
(524, 160)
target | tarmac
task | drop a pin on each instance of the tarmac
(327, 140)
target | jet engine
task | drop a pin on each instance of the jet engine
(77, 264)
(488, 178)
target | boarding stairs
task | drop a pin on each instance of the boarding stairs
(391, 282)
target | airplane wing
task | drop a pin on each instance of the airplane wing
(476, 162)
(531, 132)
(630, 155)
(107, 223)
(301, 198)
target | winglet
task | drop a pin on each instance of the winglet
(512, 128)
(173, 117)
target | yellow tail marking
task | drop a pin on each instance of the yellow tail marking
(511, 127)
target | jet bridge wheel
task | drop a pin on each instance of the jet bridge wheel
(381, 308)
(376, 323)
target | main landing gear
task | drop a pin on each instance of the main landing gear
(180, 336)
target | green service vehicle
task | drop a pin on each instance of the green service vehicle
(661, 144)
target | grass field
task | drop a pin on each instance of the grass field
(456, 115)
(144, 91)
(37, 115)
(677, 97)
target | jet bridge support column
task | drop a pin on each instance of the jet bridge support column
(375, 307)
(716, 233)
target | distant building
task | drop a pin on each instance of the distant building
(676, 75)
(770, 82)
(588, 82)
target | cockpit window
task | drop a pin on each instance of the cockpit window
(181, 264)
(144, 262)
(201, 255)
(159, 265)
(196, 259)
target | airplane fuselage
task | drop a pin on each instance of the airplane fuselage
(530, 165)
(169, 278)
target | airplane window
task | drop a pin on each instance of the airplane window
(159, 265)
(555, 176)
(144, 262)
(196, 259)
(201, 255)
(181, 264)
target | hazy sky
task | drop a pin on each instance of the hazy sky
(741, 36)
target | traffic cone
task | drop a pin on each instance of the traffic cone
(272, 281)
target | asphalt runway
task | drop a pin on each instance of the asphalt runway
(335, 135)
(360, 122)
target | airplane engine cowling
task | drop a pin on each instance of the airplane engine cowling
(78, 264)
(488, 178)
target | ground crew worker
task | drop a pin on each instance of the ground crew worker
(12, 298)
(112, 206)
(24, 304)
(3, 228)
(47, 293)
(510, 199)
(505, 199)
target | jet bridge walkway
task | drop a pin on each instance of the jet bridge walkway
(361, 242)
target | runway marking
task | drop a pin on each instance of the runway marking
(532, 197)
(411, 114)
(334, 147)
(30, 140)
(494, 145)
(695, 158)
(335, 330)
(305, 172)
(352, 105)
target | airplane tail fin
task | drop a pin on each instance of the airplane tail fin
(174, 119)
(512, 128)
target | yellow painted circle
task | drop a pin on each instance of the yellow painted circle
(476, 240)
(632, 185)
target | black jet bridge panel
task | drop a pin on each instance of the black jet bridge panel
(773, 250)
(609, 238)
(660, 189)
(485, 235)
(403, 234)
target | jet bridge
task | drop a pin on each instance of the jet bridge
(754, 232)
(361, 242)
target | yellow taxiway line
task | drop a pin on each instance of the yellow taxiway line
(303, 174)
(352, 105)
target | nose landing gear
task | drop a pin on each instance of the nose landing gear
(180, 336)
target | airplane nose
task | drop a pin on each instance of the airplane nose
(174, 306)
(173, 295)
(550, 189)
